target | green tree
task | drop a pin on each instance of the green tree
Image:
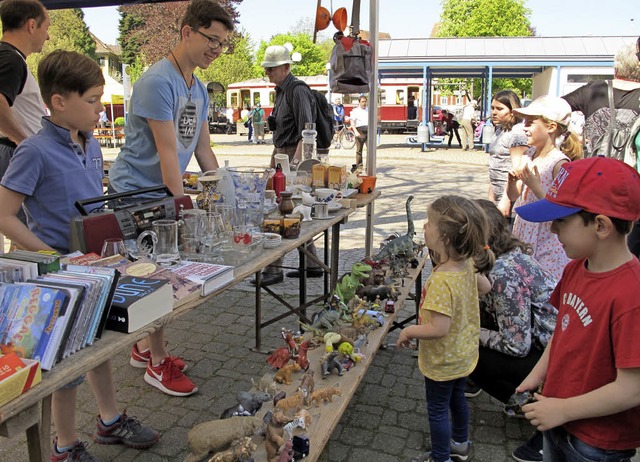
(151, 30)
(487, 18)
(314, 57)
(484, 18)
(232, 67)
(68, 31)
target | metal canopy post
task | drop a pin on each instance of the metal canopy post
(373, 119)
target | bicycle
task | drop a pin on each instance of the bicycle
(344, 138)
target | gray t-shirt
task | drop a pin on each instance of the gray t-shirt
(500, 160)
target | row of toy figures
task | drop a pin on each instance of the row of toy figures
(231, 438)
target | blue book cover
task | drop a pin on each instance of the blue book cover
(34, 307)
(59, 303)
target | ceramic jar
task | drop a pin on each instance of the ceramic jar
(210, 195)
(286, 203)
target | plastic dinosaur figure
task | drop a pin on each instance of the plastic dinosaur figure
(403, 245)
(349, 283)
(322, 321)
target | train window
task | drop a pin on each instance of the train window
(399, 96)
(272, 98)
(233, 101)
(443, 100)
(383, 96)
(256, 97)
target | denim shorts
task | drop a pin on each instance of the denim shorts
(559, 446)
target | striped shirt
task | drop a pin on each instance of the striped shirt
(291, 117)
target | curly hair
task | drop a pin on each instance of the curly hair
(464, 228)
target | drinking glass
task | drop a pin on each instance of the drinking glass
(213, 231)
(113, 246)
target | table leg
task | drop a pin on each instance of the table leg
(258, 311)
(335, 255)
(38, 435)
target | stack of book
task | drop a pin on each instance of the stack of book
(51, 316)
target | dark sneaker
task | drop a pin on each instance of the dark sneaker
(128, 431)
(458, 453)
(531, 451)
(471, 390)
(78, 453)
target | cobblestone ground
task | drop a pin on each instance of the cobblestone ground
(386, 419)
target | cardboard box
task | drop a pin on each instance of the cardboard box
(319, 173)
(337, 177)
(20, 381)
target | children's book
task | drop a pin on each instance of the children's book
(138, 301)
(35, 307)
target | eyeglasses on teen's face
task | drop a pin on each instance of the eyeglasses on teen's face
(214, 43)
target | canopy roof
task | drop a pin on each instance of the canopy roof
(59, 4)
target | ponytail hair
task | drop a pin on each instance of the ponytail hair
(571, 147)
(464, 228)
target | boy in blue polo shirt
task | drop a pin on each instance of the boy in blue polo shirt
(48, 173)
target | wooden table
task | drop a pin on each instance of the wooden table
(325, 418)
(31, 412)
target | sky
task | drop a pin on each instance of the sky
(403, 19)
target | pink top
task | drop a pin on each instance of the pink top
(547, 250)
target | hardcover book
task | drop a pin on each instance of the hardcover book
(210, 276)
(138, 301)
(31, 316)
(182, 287)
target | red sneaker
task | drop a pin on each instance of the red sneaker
(140, 359)
(168, 378)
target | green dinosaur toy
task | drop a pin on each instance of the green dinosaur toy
(349, 282)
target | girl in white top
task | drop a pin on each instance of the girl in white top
(448, 328)
(546, 122)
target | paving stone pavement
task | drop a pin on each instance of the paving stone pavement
(386, 419)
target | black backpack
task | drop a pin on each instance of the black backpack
(324, 115)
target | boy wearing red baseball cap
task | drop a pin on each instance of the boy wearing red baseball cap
(590, 404)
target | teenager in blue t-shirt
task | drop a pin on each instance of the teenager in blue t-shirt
(167, 125)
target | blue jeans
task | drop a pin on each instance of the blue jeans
(561, 446)
(443, 397)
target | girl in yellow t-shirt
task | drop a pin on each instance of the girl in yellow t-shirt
(456, 233)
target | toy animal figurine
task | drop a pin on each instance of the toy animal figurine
(361, 341)
(306, 386)
(302, 419)
(325, 395)
(284, 374)
(329, 362)
(349, 282)
(402, 245)
(287, 453)
(301, 446)
(294, 402)
(266, 384)
(217, 435)
(282, 355)
(240, 451)
(248, 404)
(323, 320)
(274, 441)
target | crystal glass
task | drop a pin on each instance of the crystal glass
(114, 246)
